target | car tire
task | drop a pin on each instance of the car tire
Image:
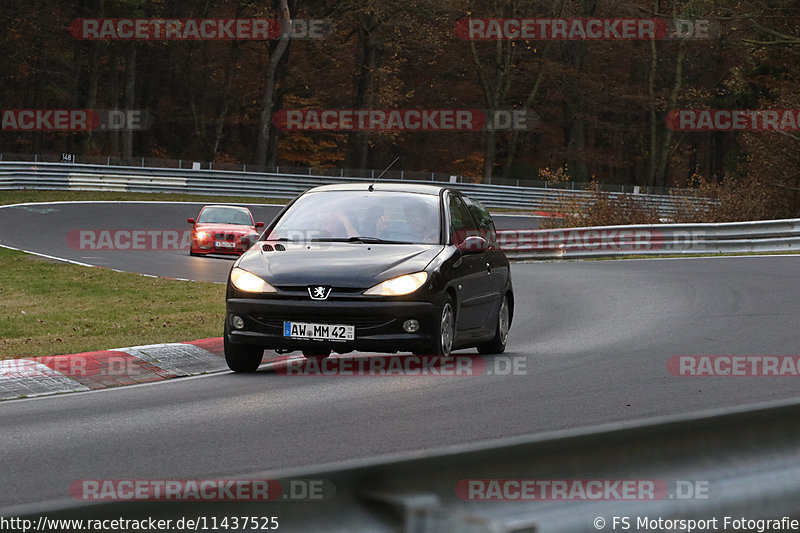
(445, 329)
(498, 343)
(242, 357)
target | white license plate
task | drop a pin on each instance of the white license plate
(327, 332)
(224, 244)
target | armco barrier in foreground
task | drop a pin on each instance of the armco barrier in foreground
(26, 175)
(609, 241)
(737, 464)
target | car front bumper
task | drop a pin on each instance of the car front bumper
(378, 324)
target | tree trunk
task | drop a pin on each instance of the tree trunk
(663, 154)
(114, 104)
(130, 86)
(267, 103)
(651, 93)
(576, 156)
(357, 142)
(88, 81)
(275, 134)
(226, 102)
(495, 89)
(513, 142)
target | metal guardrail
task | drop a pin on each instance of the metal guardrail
(765, 236)
(391, 175)
(738, 237)
(27, 175)
(739, 463)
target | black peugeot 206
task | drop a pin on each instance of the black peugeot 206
(382, 268)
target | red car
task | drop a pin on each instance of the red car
(223, 229)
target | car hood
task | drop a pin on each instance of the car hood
(352, 265)
(224, 228)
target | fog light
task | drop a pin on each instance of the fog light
(237, 322)
(411, 326)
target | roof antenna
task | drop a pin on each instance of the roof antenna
(371, 188)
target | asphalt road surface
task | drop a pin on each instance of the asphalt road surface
(593, 339)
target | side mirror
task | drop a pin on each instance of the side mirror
(473, 245)
(190, 220)
(259, 224)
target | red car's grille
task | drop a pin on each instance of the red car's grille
(225, 237)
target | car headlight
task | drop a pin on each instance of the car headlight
(201, 235)
(247, 282)
(399, 285)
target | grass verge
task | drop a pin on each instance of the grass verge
(52, 308)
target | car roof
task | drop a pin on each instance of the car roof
(382, 186)
(240, 208)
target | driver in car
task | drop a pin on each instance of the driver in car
(423, 224)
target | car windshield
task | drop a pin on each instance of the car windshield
(375, 217)
(225, 215)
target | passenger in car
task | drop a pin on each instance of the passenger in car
(423, 224)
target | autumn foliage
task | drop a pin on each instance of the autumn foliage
(600, 105)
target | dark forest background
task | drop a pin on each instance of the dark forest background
(601, 104)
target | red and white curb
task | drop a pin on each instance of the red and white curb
(87, 371)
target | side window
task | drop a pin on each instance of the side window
(479, 214)
(461, 224)
(483, 219)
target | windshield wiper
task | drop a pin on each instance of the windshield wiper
(363, 240)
